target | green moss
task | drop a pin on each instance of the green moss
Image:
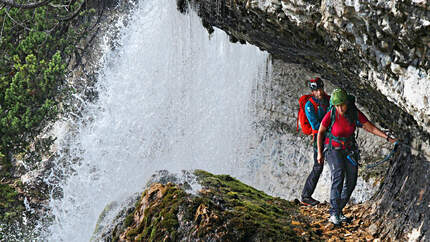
(233, 195)
(154, 234)
(252, 210)
(128, 220)
(115, 238)
(132, 233)
(159, 220)
(102, 216)
(145, 232)
(233, 211)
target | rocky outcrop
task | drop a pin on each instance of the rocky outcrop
(219, 208)
(199, 206)
(377, 51)
(402, 205)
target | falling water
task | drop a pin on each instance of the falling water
(171, 97)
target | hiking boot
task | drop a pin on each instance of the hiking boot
(335, 220)
(345, 219)
(309, 201)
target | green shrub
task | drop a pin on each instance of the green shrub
(35, 46)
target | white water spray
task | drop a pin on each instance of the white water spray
(170, 98)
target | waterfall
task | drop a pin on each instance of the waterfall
(170, 97)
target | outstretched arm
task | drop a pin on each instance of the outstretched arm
(371, 128)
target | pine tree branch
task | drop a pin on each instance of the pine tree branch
(14, 4)
(74, 14)
(16, 22)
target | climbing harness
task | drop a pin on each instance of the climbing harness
(348, 143)
(396, 145)
(343, 141)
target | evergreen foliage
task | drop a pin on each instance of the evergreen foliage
(35, 45)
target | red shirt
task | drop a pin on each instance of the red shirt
(341, 127)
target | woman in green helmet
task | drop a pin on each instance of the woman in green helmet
(341, 149)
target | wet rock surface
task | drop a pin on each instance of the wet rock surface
(403, 201)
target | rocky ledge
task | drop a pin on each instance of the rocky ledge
(200, 206)
(206, 207)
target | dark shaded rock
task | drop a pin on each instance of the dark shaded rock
(403, 201)
(182, 5)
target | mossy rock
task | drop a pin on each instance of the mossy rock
(225, 209)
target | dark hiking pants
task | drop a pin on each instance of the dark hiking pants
(312, 180)
(341, 170)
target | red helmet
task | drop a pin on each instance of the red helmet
(315, 84)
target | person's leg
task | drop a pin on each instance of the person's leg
(336, 162)
(312, 180)
(351, 175)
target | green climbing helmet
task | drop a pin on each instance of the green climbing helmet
(338, 97)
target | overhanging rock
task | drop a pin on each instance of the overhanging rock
(376, 50)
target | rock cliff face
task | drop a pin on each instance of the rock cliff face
(376, 50)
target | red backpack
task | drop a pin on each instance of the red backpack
(301, 116)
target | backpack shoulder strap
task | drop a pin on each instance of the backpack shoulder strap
(331, 137)
(332, 120)
(316, 106)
